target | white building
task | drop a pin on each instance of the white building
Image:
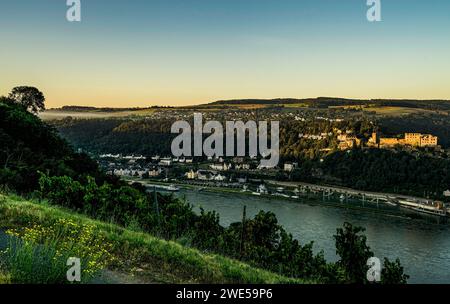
(122, 172)
(219, 178)
(220, 167)
(165, 162)
(289, 167)
(154, 172)
(242, 167)
(203, 175)
(191, 175)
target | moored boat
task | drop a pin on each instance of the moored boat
(428, 207)
(173, 188)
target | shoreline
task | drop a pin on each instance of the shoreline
(310, 199)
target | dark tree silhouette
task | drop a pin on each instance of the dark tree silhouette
(29, 97)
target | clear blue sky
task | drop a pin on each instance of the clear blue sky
(143, 52)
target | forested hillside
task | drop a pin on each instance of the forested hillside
(29, 145)
(146, 137)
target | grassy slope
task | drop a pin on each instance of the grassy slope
(153, 259)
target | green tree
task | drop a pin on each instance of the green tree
(393, 273)
(207, 232)
(62, 190)
(351, 247)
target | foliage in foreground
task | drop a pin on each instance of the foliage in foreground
(38, 254)
(4, 278)
(133, 249)
(354, 253)
(260, 241)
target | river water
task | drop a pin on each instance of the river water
(423, 245)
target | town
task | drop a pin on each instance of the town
(246, 175)
(359, 145)
(219, 168)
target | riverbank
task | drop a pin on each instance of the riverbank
(140, 255)
(309, 198)
(420, 242)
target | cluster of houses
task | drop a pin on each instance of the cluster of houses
(132, 165)
(346, 139)
(126, 157)
(315, 137)
(330, 119)
(226, 167)
(140, 166)
(205, 175)
(137, 172)
(169, 161)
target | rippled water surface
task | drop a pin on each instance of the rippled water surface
(422, 245)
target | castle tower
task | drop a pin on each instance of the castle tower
(375, 137)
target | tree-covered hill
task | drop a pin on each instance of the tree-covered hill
(28, 145)
(118, 136)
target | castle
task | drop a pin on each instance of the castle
(348, 141)
(410, 139)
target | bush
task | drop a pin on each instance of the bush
(38, 255)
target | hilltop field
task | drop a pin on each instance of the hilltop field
(379, 107)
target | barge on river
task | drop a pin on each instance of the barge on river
(428, 207)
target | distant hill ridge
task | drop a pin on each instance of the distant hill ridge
(99, 109)
(436, 104)
(325, 102)
(281, 100)
(323, 99)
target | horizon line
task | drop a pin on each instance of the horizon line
(247, 99)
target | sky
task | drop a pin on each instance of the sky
(139, 53)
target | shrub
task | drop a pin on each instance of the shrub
(39, 254)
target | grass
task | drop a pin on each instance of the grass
(27, 263)
(39, 254)
(156, 260)
(4, 279)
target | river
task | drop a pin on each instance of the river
(423, 245)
